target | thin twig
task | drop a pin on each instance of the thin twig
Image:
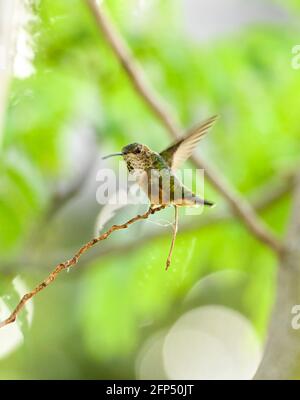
(73, 261)
(175, 229)
(264, 197)
(240, 207)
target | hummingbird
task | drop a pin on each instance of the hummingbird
(156, 172)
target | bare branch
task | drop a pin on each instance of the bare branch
(266, 195)
(241, 208)
(73, 261)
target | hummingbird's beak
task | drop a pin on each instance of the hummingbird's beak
(112, 155)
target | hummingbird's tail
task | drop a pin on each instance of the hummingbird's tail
(202, 202)
(193, 200)
(207, 203)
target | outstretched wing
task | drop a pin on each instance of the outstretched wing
(180, 151)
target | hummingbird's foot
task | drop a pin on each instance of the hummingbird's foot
(154, 207)
(151, 209)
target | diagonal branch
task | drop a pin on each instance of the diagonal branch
(240, 207)
(73, 261)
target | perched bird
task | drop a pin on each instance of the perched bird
(155, 172)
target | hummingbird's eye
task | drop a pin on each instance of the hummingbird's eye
(138, 150)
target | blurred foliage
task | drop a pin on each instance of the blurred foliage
(102, 312)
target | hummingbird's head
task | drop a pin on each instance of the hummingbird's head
(137, 156)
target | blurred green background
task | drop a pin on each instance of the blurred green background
(75, 105)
